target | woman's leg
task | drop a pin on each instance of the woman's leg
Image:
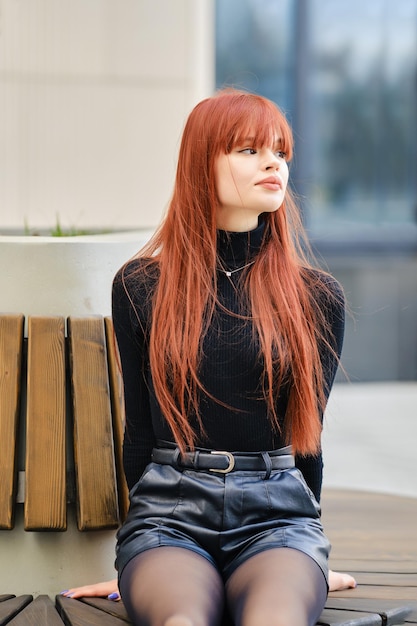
(278, 587)
(170, 586)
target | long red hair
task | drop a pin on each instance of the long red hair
(279, 291)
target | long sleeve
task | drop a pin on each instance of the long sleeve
(312, 466)
(139, 437)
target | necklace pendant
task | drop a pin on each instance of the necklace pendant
(228, 273)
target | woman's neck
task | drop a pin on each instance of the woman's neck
(236, 221)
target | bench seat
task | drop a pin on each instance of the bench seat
(23, 611)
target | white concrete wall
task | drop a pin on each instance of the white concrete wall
(93, 97)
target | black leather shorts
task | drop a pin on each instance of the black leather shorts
(225, 517)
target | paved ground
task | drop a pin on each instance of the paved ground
(370, 438)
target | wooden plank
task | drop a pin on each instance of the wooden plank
(373, 565)
(45, 468)
(331, 617)
(400, 594)
(374, 536)
(412, 617)
(386, 580)
(391, 611)
(118, 412)
(11, 342)
(40, 612)
(370, 526)
(11, 608)
(75, 613)
(116, 609)
(95, 471)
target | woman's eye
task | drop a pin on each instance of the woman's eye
(281, 154)
(248, 151)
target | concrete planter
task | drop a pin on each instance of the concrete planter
(59, 276)
(63, 275)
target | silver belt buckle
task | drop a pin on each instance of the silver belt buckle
(231, 461)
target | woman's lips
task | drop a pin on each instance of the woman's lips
(271, 182)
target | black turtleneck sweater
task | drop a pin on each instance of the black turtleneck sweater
(230, 369)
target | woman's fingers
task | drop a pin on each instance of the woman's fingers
(107, 589)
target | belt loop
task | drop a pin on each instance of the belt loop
(196, 459)
(268, 465)
(176, 458)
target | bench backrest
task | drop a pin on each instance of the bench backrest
(61, 398)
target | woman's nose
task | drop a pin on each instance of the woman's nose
(272, 161)
(273, 164)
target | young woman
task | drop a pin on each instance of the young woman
(229, 342)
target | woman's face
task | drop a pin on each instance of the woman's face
(249, 181)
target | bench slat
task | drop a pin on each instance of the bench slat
(97, 498)
(11, 608)
(402, 566)
(382, 578)
(40, 612)
(116, 609)
(11, 342)
(399, 594)
(76, 613)
(118, 412)
(390, 611)
(45, 469)
(331, 617)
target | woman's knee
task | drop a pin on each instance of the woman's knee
(172, 587)
(276, 616)
(277, 587)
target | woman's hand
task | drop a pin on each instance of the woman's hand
(107, 589)
(339, 581)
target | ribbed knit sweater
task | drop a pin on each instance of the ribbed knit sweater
(230, 369)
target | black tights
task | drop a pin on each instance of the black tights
(169, 586)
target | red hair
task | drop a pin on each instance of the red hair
(279, 291)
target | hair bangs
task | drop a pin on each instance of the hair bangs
(261, 122)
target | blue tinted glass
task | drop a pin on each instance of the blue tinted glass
(253, 47)
(363, 111)
(345, 73)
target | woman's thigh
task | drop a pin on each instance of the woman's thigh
(172, 586)
(277, 587)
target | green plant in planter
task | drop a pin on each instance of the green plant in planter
(59, 231)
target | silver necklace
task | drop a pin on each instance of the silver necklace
(230, 272)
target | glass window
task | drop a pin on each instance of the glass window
(253, 47)
(363, 100)
(345, 74)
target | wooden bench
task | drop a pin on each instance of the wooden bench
(25, 611)
(71, 419)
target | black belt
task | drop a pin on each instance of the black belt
(224, 462)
